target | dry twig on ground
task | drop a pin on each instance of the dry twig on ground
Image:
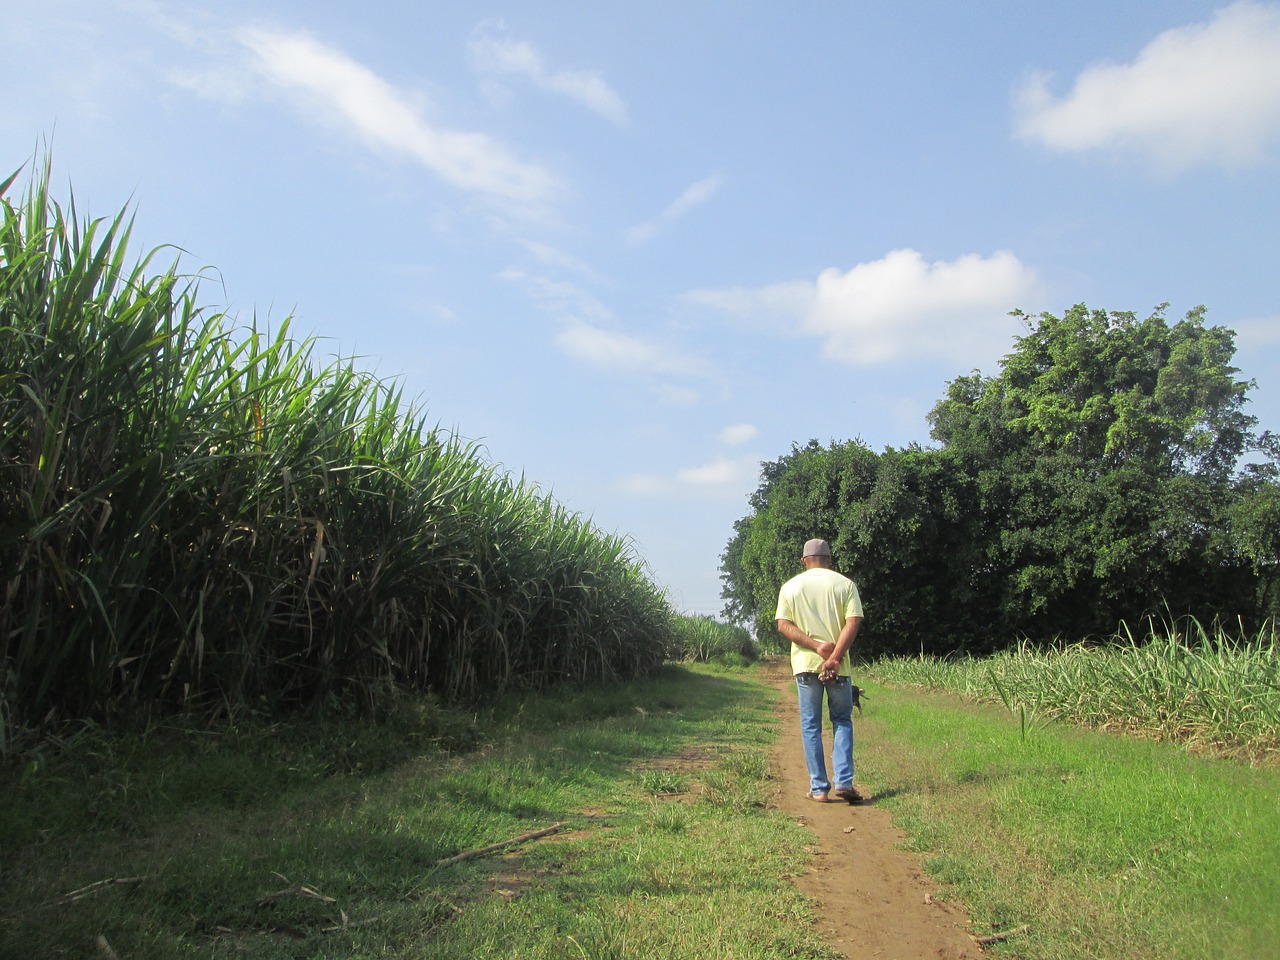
(997, 937)
(502, 845)
(88, 889)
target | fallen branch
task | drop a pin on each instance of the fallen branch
(491, 848)
(997, 937)
(296, 891)
(91, 888)
(348, 924)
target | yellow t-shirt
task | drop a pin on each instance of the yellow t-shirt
(818, 601)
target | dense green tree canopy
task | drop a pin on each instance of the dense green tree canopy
(1094, 479)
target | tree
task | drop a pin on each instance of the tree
(1252, 531)
(897, 522)
(1094, 479)
(796, 500)
(1104, 454)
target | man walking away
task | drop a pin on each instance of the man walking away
(820, 611)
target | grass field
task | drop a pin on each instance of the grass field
(1214, 691)
(1103, 846)
(296, 840)
(325, 838)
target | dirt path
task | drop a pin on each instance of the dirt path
(874, 900)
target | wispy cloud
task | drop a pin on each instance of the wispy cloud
(1257, 332)
(328, 83)
(720, 477)
(737, 434)
(565, 301)
(896, 308)
(693, 196)
(1205, 94)
(721, 471)
(643, 485)
(590, 334)
(495, 51)
(619, 352)
(775, 308)
(550, 256)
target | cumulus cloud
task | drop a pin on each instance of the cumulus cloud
(494, 51)
(693, 196)
(1205, 94)
(385, 118)
(897, 308)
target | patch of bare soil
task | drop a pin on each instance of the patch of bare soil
(873, 899)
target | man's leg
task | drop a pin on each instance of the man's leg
(810, 690)
(840, 709)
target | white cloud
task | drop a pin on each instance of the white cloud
(773, 308)
(1256, 333)
(896, 308)
(644, 485)
(722, 476)
(551, 256)
(588, 333)
(694, 195)
(561, 299)
(720, 472)
(385, 118)
(443, 313)
(1202, 94)
(737, 434)
(624, 353)
(674, 395)
(493, 51)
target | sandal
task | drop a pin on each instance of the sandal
(816, 797)
(850, 795)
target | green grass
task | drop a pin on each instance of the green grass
(322, 839)
(1179, 682)
(1104, 846)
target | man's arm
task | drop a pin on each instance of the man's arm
(842, 645)
(822, 648)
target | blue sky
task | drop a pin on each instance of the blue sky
(635, 249)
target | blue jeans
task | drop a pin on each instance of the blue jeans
(839, 693)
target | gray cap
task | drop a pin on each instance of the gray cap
(816, 548)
